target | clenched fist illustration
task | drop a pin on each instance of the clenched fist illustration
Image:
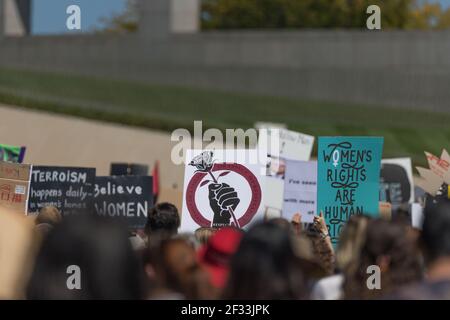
(222, 197)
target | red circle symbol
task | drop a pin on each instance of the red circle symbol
(252, 181)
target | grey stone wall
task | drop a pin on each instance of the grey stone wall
(409, 69)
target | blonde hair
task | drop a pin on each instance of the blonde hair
(351, 241)
(203, 234)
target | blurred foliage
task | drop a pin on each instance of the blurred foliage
(429, 16)
(256, 14)
(276, 14)
(124, 22)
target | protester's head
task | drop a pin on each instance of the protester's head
(390, 250)
(162, 219)
(173, 271)
(178, 258)
(215, 256)
(49, 215)
(43, 229)
(265, 266)
(436, 232)
(203, 234)
(402, 215)
(100, 258)
(351, 240)
(189, 238)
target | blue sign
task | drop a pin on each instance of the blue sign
(348, 179)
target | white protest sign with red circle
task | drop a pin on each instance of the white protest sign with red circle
(221, 188)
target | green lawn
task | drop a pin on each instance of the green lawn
(407, 133)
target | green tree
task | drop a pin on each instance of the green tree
(425, 16)
(277, 14)
(243, 14)
(124, 22)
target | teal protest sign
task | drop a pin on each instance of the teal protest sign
(11, 153)
(348, 179)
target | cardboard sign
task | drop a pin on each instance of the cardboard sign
(14, 186)
(396, 181)
(430, 181)
(12, 153)
(300, 190)
(221, 188)
(125, 197)
(440, 166)
(68, 189)
(437, 178)
(348, 179)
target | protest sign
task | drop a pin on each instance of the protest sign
(286, 145)
(348, 179)
(125, 197)
(300, 190)
(440, 166)
(429, 181)
(12, 153)
(221, 188)
(68, 189)
(269, 125)
(128, 169)
(273, 200)
(291, 145)
(396, 181)
(417, 216)
(14, 186)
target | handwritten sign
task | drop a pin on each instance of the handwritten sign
(126, 197)
(14, 186)
(287, 144)
(440, 166)
(300, 190)
(281, 145)
(68, 189)
(12, 153)
(348, 179)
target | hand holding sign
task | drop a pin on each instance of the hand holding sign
(320, 224)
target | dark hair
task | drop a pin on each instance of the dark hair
(163, 218)
(175, 269)
(101, 249)
(436, 231)
(384, 239)
(265, 266)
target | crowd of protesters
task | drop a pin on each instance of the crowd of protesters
(273, 259)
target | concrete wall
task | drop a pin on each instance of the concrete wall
(409, 69)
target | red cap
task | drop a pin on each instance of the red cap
(216, 254)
